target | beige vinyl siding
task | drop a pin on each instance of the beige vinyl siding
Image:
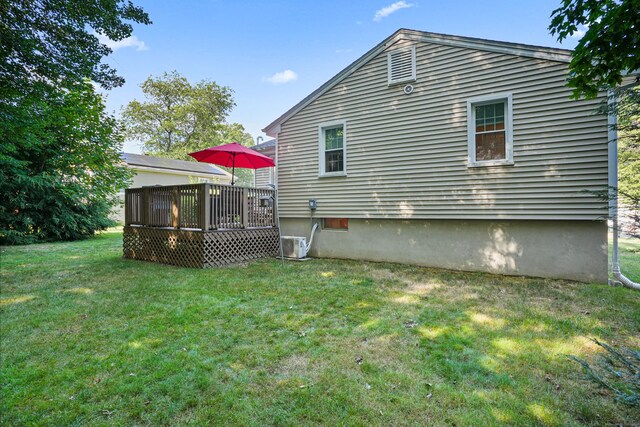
(263, 177)
(407, 154)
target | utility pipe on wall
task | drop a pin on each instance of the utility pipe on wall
(613, 192)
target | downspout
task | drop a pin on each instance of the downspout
(613, 192)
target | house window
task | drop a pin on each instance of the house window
(489, 125)
(336, 223)
(333, 148)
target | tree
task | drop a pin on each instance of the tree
(606, 59)
(59, 157)
(59, 167)
(54, 42)
(627, 108)
(609, 47)
(177, 115)
(628, 111)
(179, 118)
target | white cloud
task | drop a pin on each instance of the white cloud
(388, 10)
(132, 41)
(285, 76)
(579, 33)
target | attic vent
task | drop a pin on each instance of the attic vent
(401, 65)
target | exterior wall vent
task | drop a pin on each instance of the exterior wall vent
(401, 65)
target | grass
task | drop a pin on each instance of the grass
(630, 258)
(89, 338)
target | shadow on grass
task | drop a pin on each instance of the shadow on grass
(108, 340)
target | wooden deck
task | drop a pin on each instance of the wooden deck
(200, 225)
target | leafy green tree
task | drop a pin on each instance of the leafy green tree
(609, 47)
(607, 59)
(53, 42)
(59, 157)
(176, 115)
(60, 167)
(627, 108)
(179, 118)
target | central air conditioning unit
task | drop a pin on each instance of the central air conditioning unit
(294, 247)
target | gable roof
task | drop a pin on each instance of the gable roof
(264, 145)
(539, 52)
(171, 164)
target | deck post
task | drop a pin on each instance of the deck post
(127, 207)
(245, 207)
(146, 209)
(175, 208)
(204, 206)
(274, 218)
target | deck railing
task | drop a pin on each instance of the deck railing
(200, 206)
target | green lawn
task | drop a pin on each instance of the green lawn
(630, 258)
(89, 338)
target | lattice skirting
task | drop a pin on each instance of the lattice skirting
(199, 249)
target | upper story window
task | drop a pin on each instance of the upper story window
(401, 65)
(333, 148)
(490, 130)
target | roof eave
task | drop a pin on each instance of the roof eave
(216, 171)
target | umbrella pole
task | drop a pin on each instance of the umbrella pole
(233, 170)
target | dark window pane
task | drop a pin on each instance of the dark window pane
(489, 111)
(491, 146)
(480, 113)
(333, 138)
(489, 114)
(480, 148)
(333, 161)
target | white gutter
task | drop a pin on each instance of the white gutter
(613, 192)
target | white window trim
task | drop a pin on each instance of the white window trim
(471, 129)
(413, 66)
(321, 146)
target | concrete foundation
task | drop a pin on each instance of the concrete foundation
(574, 250)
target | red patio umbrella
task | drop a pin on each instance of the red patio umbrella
(233, 155)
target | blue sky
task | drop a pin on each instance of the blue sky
(274, 53)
